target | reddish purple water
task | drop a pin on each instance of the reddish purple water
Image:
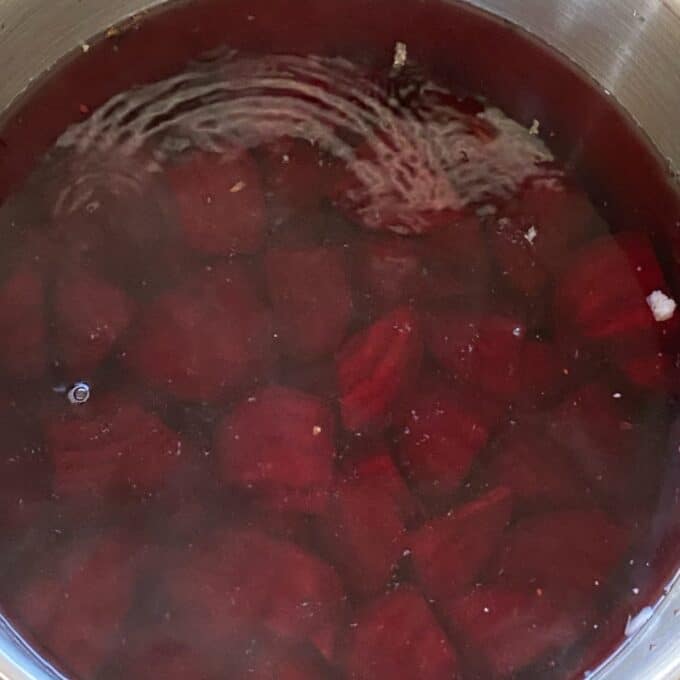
(330, 349)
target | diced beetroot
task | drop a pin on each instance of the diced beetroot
(649, 370)
(82, 599)
(114, 218)
(566, 553)
(602, 295)
(311, 298)
(378, 468)
(90, 315)
(111, 446)
(390, 271)
(398, 637)
(170, 660)
(363, 533)
(535, 233)
(284, 664)
(220, 202)
(206, 338)
(296, 176)
(407, 193)
(449, 264)
(504, 630)
(461, 247)
(374, 366)
(542, 376)
(237, 581)
(539, 472)
(485, 351)
(278, 442)
(23, 327)
(593, 424)
(441, 431)
(449, 552)
(24, 478)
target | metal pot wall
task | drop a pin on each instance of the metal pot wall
(630, 47)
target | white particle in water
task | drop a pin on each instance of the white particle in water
(400, 56)
(636, 591)
(531, 234)
(535, 127)
(662, 306)
(617, 395)
(239, 186)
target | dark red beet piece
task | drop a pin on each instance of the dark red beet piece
(296, 177)
(535, 233)
(405, 193)
(363, 532)
(206, 338)
(440, 433)
(566, 553)
(377, 467)
(311, 299)
(170, 660)
(112, 446)
(279, 442)
(76, 608)
(276, 663)
(503, 630)
(485, 351)
(220, 202)
(90, 315)
(23, 327)
(542, 376)
(593, 423)
(602, 295)
(398, 637)
(237, 581)
(449, 552)
(374, 366)
(540, 473)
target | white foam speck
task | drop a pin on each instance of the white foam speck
(662, 306)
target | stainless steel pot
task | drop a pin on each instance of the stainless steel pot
(630, 47)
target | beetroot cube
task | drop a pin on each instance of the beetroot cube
(278, 441)
(374, 366)
(90, 315)
(542, 377)
(206, 338)
(398, 637)
(363, 532)
(566, 553)
(220, 202)
(603, 295)
(378, 468)
(295, 176)
(535, 233)
(23, 327)
(593, 423)
(485, 351)
(276, 663)
(407, 193)
(440, 433)
(311, 298)
(82, 601)
(449, 552)
(170, 660)
(504, 630)
(238, 581)
(540, 473)
(109, 447)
